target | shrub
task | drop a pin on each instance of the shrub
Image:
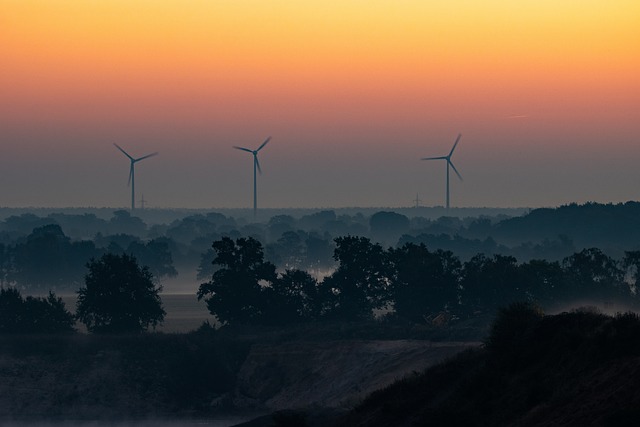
(33, 315)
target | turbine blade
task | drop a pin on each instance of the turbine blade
(124, 152)
(130, 175)
(456, 171)
(264, 143)
(147, 156)
(258, 164)
(243, 149)
(455, 144)
(435, 158)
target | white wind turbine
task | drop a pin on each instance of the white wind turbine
(132, 177)
(256, 165)
(449, 163)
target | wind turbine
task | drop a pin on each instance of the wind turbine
(449, 163)
(256, 165)
(132, 177)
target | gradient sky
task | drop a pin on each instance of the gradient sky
(545, 93)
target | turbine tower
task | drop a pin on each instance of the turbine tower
(256, 165)
(449, 163)
(132, 177)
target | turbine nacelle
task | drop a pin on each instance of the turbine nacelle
(256, 162)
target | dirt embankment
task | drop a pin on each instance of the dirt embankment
(91, 377)
(331, 374)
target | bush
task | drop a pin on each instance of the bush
(33, 315)
(513, 325)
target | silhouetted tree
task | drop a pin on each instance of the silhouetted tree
(5, 264)
(544, 282)
(280, 224)
(360, 283)
(25, 223)
(290, 250)
(423, 282)
(191, 227)
(80, 226)
(317, 221)
(488, 283)
(292, 298)
(631, 263)
(119, 296)
(123, 222)
(387, 227)
(319, 251)
(155, 255)
(460, 246)
(33, 314)
(48, 258)
(235, 292)
(206, 268)
(594, 276)
(10, 310)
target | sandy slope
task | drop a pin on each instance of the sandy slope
(332, 374)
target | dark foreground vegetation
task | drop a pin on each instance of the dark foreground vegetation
(572, 369)
(575, 368)
(115, 376)
(179, 376)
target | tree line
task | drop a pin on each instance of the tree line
(118, 296)
(47, 258)
(409, 282)
(36, 254)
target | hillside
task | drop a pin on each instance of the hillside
(204, 374)
(572, 369)
(334, 374)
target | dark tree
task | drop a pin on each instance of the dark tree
(594, 276)
(206, 267)
(123, 222)
(544, 282)
(10, 310)
(48, 258)
(489, 283)
(119, 296)
(293, 298)
(280, 224)
(387, 227)
(319, 251)
(190, 228)
(48, 315)
(5, 264)
(156, 255)
(235, 293)
(33, 315)
(360, 283)
(631, 263)
(423, 282)
(41, 260)
(289, 250)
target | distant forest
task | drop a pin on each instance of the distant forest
(39, 252)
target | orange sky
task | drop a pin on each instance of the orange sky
(345, 73)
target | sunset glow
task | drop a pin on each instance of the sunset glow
(402, 75)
